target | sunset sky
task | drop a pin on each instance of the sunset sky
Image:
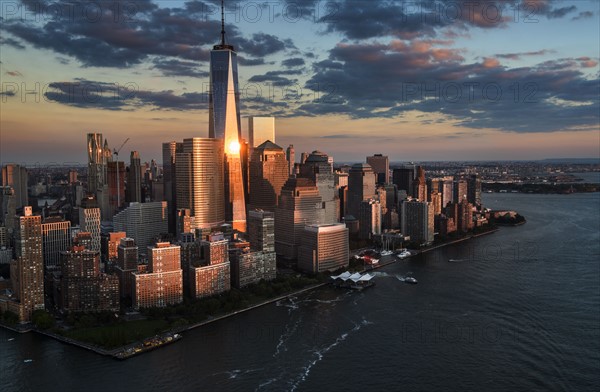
(415, 80)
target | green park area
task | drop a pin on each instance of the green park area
(110, 330)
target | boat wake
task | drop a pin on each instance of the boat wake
(289, 303)
(285, 336)
(235, 373)
(320, 353)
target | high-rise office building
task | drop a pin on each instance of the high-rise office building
(134, 178)
(460, 190)
(381, 166)
(474, 189)
(261, 230)
(27, 272)
(417, 221)
(435, 198)
(224, 124)
(144, 222)
(370, 218)
(420, 185)
(16, 177)
(403, 177)
(110, 246)
(4, 241)
(361, 186)
(73, 176)
(341, 179)
(56, 238)
(261, 129)
(89, 221)
(290, 155)
(169, 154)
(200, 181)
(98, 157)
(8, 208)
(465, 222)
(245, 152)
(268, 174)
(318, 167)
(324, 248)
(116, 176)
(447, 190)
(299, 204)
(162, 284)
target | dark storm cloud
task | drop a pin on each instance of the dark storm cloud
(89, 94)
(293, 62)
(377, 80)
(362, 19)
(179, 68)
(123, 34)
(250, 62)
(262, 44)
(276, 78)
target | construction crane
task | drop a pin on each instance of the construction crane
(116, 153)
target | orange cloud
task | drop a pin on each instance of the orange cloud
(489, 62)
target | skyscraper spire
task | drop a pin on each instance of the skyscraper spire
(223, 22)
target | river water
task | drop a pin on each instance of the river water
(518, 310)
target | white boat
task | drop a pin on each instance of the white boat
(410, 279)
(404, 254)
(387, 253)
(27, 360)
(11, 339)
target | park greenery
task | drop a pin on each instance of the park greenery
(108, 330)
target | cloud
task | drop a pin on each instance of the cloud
(560, 12)
(293, 62)
(490, 63)
(83, 93)
(517, 56)
(129, 37)
(276, 78)
(361, 19)
(11, 42)
(179, 68)
(375, 80)
(583, 15)
(587, 62)
(250, 62)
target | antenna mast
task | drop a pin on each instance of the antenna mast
(223, 22)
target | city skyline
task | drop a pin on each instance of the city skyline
(454, 81)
